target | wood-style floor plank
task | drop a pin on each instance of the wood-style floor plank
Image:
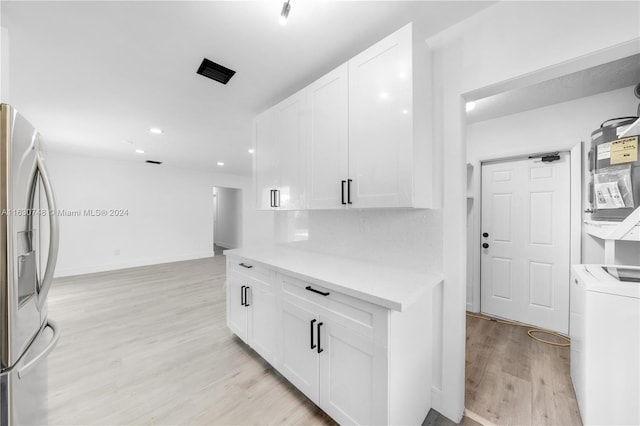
(512, 379)
(150, 346)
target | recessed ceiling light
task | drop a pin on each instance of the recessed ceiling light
(383, 95)
(220, 163)
(405, 111)
(139, 151)
(251, 151)
(470, 106)
(156, 131)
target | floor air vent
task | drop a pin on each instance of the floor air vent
(153, 162)
(215, 71)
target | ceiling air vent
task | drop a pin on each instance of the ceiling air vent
(153, 162)
(215, 71)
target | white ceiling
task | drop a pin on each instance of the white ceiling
(94, 75)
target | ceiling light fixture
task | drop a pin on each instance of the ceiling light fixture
(220, 163)
(139, 151)
(286, 7)
(470, 106)
(156, 131)
(251, 151)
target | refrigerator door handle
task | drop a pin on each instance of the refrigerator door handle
(42, 355)
(54, 236)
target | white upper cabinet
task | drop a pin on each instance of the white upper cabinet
(265, 160)
(328, 140)
(289, 142)
(280, 155)
(364, 132)
(380, 123)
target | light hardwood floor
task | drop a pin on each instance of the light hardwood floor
(150, 346)
(511, 379)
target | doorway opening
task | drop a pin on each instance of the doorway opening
(227, 219)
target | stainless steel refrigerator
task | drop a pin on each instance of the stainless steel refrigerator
(28, 253)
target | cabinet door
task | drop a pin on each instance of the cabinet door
(380, 123)
(299, 361)
(289, 140)
(265, 158)
(236, 312)
(328, 139)
(263, 321)
(352, 376)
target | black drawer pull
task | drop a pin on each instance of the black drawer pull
(246, 299)
(244, 265)
(316, 291)
(242, 294)
(342, 185)
(313, 321)
(319, 348)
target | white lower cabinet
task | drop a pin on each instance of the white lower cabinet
(237, 313)
(300, 362)
(359, 362)
(352, 376)
(252, 314)
(334, 366)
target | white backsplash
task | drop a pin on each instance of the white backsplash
(399, 237)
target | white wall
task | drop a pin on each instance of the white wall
(4, 65)
(228, 229)
(169, 213)
(556, 127)
(499, 45)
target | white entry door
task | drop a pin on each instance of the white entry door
(525, 241)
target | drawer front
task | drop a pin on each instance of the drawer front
(251, 270)
(248, 281)
(361, 317)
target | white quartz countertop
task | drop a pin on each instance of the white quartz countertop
(390, 286)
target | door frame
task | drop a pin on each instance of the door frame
(575, 213)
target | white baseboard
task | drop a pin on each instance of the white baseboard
(91, 269)
(436, 399)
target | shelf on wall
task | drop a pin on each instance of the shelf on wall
(603, 230)
(633, 129)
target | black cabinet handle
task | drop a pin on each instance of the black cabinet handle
(313, 321)
(349, 191)
(244, 265)
(246, 299)
(277, 198)
(242, 294)
(271, 198)
(319, 348)
(485, 245)
(342, 188)
(316, 291)
(485, 234)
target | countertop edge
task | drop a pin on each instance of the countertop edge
(431, 280)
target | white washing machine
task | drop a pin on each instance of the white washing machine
(604, 328)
